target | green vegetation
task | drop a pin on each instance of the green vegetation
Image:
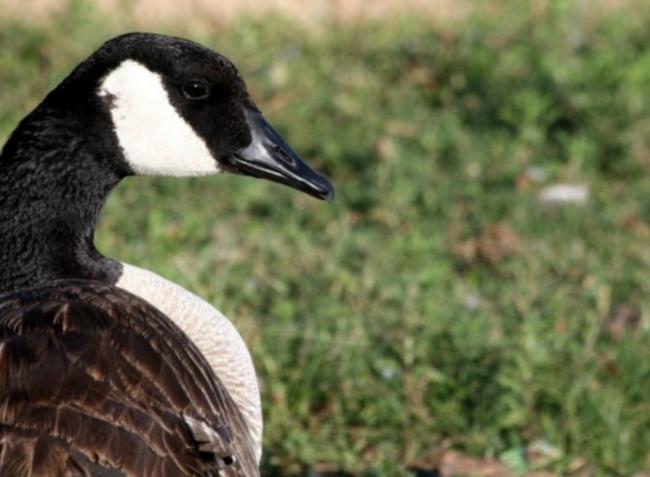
(437, 303)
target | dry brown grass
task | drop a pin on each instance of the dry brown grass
(152, 11)
(148, 12)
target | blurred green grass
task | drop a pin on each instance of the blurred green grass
(436, 303)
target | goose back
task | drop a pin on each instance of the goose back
(95, 381)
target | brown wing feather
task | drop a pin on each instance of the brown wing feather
(95, 381)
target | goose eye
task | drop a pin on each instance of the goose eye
(195, 89)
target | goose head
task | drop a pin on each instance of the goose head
(177, 108)
(142, 104)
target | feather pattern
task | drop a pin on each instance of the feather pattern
(95, 381)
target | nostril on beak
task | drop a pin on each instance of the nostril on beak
(283, 156)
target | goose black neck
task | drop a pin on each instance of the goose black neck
(55, 176)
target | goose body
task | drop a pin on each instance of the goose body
(105, 368)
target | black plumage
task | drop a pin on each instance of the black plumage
(63, 160)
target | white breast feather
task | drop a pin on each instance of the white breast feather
(214, 335)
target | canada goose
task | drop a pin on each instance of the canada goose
(105, 368)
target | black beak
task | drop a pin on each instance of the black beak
(269, 157)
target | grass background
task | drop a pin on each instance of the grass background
(437, 304)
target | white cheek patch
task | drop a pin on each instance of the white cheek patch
(154, 137)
